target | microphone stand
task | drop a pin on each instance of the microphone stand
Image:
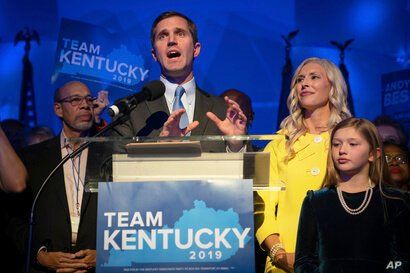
(81, 148)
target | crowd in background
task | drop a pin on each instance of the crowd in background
(320, 150)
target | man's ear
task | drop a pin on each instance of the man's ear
(154, 54)
(378, 154)
(197, 49)
(58, 109)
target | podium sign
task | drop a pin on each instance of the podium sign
(184, 226)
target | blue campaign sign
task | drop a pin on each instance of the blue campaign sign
(100, 59)
(186, 226)
(396, 97)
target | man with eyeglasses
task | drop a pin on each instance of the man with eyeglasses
(64, 236)
(97, 103)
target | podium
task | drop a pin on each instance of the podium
(182, 158)
(185, 210)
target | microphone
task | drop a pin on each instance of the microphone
(151, 91)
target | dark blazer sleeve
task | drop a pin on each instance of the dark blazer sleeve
(400, 248)
(39, 160)
(306, 258)
(205, 102)
(146, 119)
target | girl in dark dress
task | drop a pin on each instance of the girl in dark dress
(354, 223)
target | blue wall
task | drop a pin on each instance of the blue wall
(241, 44)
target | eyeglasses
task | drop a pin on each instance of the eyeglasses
(77, 100)
(400, 158)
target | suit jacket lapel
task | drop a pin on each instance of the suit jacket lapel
(203, 104)
(54, 151)
(158, 105)
(156, 109)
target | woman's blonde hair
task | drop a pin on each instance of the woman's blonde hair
(293, 125)
(378, 170)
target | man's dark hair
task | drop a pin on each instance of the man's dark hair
(167, 14)
(43, 132)
(244, 102)
(388, 121)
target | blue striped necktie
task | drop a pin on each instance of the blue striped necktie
(183, 123)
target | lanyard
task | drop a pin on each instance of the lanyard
(77, 180)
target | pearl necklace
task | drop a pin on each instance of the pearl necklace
(363, 205)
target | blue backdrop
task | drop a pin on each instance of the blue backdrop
(241, 44)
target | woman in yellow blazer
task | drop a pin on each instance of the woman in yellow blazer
(317, 102)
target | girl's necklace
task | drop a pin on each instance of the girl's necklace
(363, 205)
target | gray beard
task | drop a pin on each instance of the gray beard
(81, 127)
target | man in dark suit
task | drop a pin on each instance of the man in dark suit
(184, 108)
(64, 234)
